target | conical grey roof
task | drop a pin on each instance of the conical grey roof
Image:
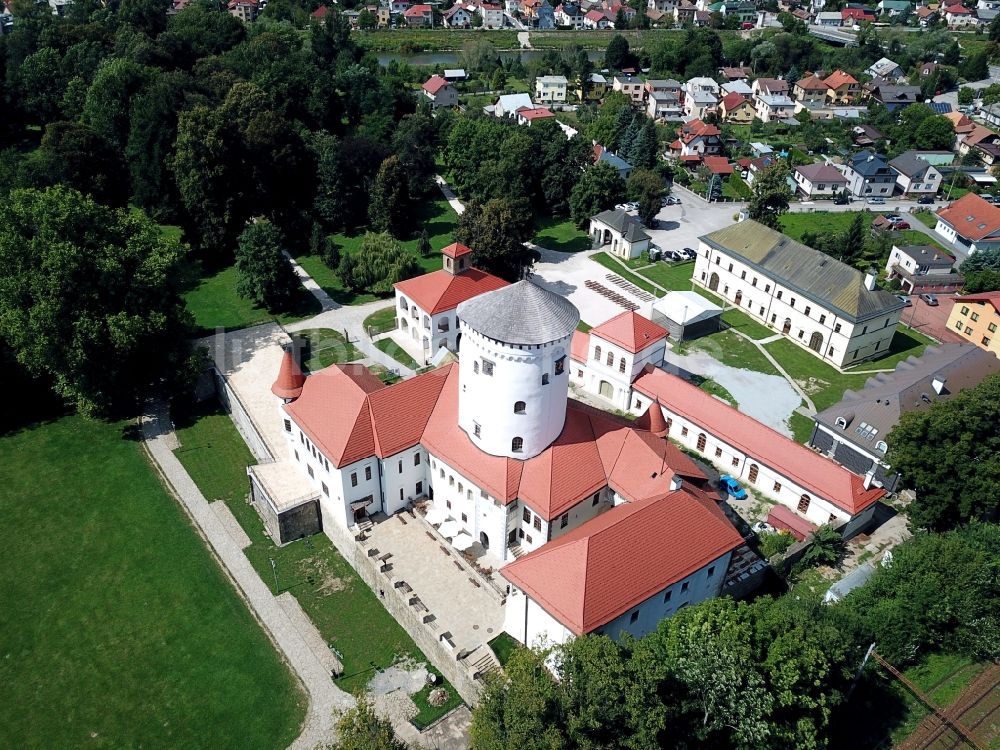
(522, 313)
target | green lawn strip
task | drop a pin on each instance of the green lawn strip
(676, 276)
(561, 236)
(327, 347)
(821, 222)
(437, 217)
(347, 613)
(214, 303)
(824, 384)
(120, 630)
(430, 40)
(745, 324)
(905, 343)
(428, 714)
(733, 350)
(397, 352)
(927, 218)
(381, 320)
(503, 646)
(610, 263)
(583, 327)
(710, 386)
(384, 374)
(802, 427)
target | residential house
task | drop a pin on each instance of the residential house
(842, 88)
(508, 104)
(770, 87)
(527, 116)
(869, 174)
(659, 18)
(440, 92)
(597, 88)
(736, 109)
(926, 15)
(963, 125)
(398, 7)
(458, 16)
(492, 15)
(551, 88)
(718, 165)
(989, 112)
(892, 97)
(855, 431)
(927, 69)
(970, 222)
(703, 84)
(865, 135)
(595, 19)
(914, 176)
(702, 18)
(777, 107)
(821, 304)
(684, 13)
(545, 17)
(245, 10)
(894, 8)
(663, 6)
(810, 90)
(829, 18)
(631, 86)
(419, 15)
(975, 318)
(321, 14)
(983, 141)
(741, 73)
(736, 87)
(427, 306)
(923, 268)
(455, 74)
(623, 168)
(697, 138)
(665, 86)
(758, 165)
(855, 16)
(819, 180)
(885, 68)
(622, 232)
(957, 16)
(569, 14)
(699, 104)
(664, 106)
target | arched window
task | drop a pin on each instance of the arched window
(402, 304)
(545, 378)
(842, 423)
(881, 446)
(621, 365)
(461, 488)
(803, 503)
(517, 445)
(670, 423)
(597, 353)
(701, 441)
(451, 481)
(752, 476)
(611, 359)
(475, 367)
(519, 407)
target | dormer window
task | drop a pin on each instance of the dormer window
(842, 423)
(881, 446)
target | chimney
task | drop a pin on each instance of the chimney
(870, 279)
(869, 478)
(676, 483)
(938, 384)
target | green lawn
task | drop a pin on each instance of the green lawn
(503, 646)
(562, 236)
(824, 384)
(613, 265)
(732, 350)
(675, 276)
(802, 427)
(214, 303)
(746, 325)
(326, 347)
(833, 222)
(399, 354)
(710, 386)
(119, 628)
(437, 217)
(347, 612)
(928, 218)
(381, 320)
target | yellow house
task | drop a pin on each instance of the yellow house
(976, 318)
(737, 109)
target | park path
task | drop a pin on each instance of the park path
(324, 697)
(449, 195)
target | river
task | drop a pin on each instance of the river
(455, 58)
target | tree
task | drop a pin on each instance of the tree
(935, 132)
(367, 19)
(599, 188)
(39, 85)
(975, 67)
(621, 21)
(646, 188)
(967, 95)
(496, 231)
(424, 248)
(949, 454)
(263, 274)
(360, 728)
(604, 128)
(377, 265)
(769, 195)
(499, 80)
(853, 242)
(617, 54)
(825, 547)
(90, 298)
(645, 151)
(389, 206)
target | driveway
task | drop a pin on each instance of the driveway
(932, 321)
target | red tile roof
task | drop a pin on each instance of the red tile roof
(732, 100)
(858, 14)
(630, 331)
(580, 346)
(456, 250)
(782, 518)
(289, 382)
(812, 83)
(417, 11)
(320, 12)
(591, 575)
(439, 291)
(434, 84)
(972, 217)
(992, 297)
(839, 78)
(534, 114)
(718, 165)
(815, 473)
(957, 10)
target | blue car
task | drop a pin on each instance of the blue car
(732, 487)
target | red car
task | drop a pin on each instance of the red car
(900, 225)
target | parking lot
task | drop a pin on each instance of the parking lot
(931, 320)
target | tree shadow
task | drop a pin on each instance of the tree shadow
(867, 720)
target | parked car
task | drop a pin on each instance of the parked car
(926, 200)
(876, 200)
(671, 200)
(763, 527)
(732, 487)
(907, 302)
(930, 299)
(687, 253)
(900, 225)
(842, 200)
(672, 255)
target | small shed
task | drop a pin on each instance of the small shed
(686, 315)
(855, 579)
(455, 74)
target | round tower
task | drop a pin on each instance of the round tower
(288, 385)
(514, 368)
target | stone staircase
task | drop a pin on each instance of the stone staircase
(482, 662)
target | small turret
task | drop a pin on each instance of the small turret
(288, 385)
(652, 421)
(457, 258)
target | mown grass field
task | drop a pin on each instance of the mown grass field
(119, 628)
(561, 236)
(347, 613)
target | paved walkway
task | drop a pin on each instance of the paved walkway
(324, 696)
(449, 195)
(310, 284)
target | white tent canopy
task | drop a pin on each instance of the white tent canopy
(435, 516)
(449, 528)
(686, 308)
(462, 541)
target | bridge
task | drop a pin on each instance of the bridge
(834, 35)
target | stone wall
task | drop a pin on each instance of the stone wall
(241, 418)
(397, 600)
(298, 522)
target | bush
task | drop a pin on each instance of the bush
(825, 548)
(775, 543)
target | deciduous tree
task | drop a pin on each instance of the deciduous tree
(263, 274)
(360, 728)
(769, 195)
(389, 205)
(496, 231)
(600, 187)
(646, 188)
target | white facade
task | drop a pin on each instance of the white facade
(550, 89)
(945, 229)
(770, 108)
(528, 622)
(610, 369)
(513, 397)
(810, 324)
(927, 183)
(819, 188)
(430, 332)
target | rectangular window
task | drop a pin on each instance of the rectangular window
(288, 425)
(767, 288)
(309, 468)
(326, 490)
(448, 504)
(354, 479)
(368, 473)
(777, 487)
(296, 455)
(718, 452)
(958, 325)
(465, 518)
(985, 341)
(743, 274)
(419, 489)
(992, 327)
(634, 616)
(597, 499)
(526, 516)
(684, 431)
(808, 309)
(537, 523)
(736, 461)
(666, 596)
(487, 367)
(730, 268)
(965, 311)
(836, 328)
(792, 302)
(968, 331)
(476, 429)
(779, 294)
(401, 466)
(974, 316)
(528, 538)
(684, 587)
(416, 459)
(754, 282)
(864, 330)
(711, 571)
(560, 365)
(564, 521)
(822, 319)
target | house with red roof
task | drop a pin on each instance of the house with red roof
(958, 16)
(527, 115)
(971, 223)
(419, 15)
(737, 109)
(440, 92)
(842, 87)
(856, 15)
(697, 138)
(719, 165)
(426, 305)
